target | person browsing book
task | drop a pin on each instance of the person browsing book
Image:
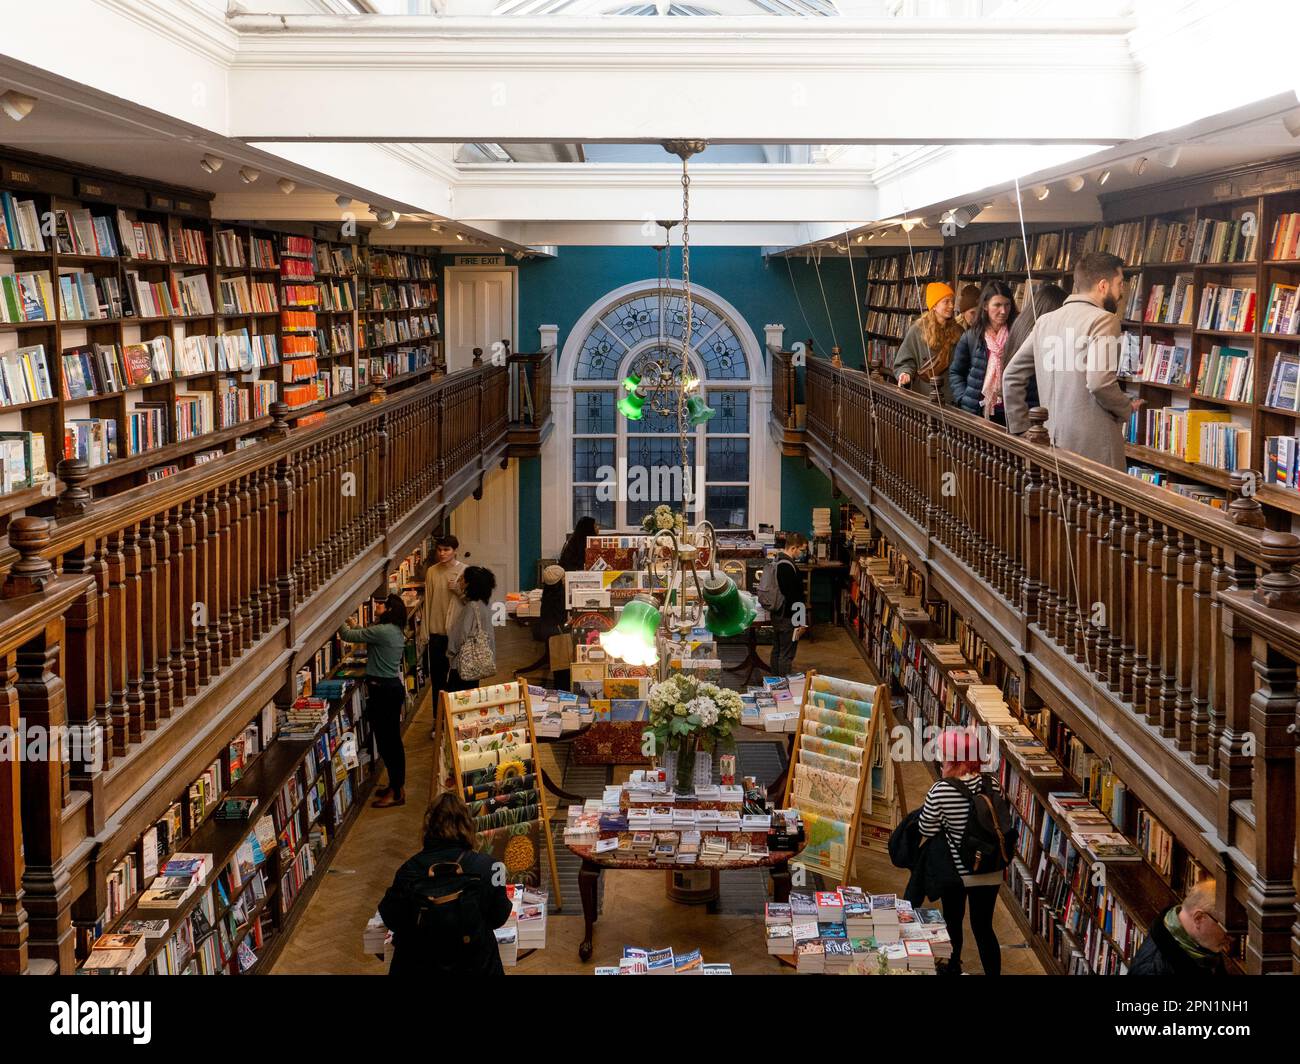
(447, 900)
(385, 691)
(921, 362)
(950, 810)
(781, 593)
(471, 644)
(443, 599)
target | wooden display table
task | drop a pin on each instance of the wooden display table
(593, 864)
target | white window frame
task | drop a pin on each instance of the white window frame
(558, 453)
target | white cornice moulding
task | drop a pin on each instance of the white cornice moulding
(191, 24)
(622, 175)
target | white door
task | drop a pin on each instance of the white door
(488, 529)
(480, 312)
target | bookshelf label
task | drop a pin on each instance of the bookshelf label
(31, 177)
(109, 192)
(159, 202)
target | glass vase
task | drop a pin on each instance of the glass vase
(684, 777)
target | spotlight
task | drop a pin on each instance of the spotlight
(248, 175)
(1291, 122)
(343, 201)
(17, 105)
(1042, 192)
(389, 223)
(1103, 177)
(1140, 166)
(908, 225)
(286, 186)
(212, 163)
(860, 239)
(436, 227)
(460, 236)
(1168, 157)
(1075, 183)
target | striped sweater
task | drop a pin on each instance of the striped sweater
(946, 810)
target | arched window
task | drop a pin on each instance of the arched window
(613, 339)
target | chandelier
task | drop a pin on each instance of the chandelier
(662, 383)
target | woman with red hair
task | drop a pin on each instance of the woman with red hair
(948, 809)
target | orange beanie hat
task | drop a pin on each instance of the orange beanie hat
(934, 292)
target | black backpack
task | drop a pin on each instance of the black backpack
(450, 932)
(989, 841)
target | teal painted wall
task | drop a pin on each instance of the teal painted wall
(780, 291)
(530, 522)
(802, 489)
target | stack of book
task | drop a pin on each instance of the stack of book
(115, 954)
(303, 719)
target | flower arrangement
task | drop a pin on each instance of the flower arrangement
(662, 519)
(686, 713)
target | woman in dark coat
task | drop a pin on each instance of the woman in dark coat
(573, 558)
(449, 840)
(982, 353)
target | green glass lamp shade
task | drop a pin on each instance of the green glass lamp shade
(631, 406)
(633, 639)
(728, 610)
(698, 411)
(631, 382)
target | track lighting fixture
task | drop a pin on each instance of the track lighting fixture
(343, 201)
(1168, 157)
(17, 105)
(1140, 166)
(460, 236)
(436, 227)
(212, 163)
(286, 186)
(1075, 183)
(248, 175)
(1042, 192)
(1291, 123)
(860, 239)
(908, 225)
(1103, 177)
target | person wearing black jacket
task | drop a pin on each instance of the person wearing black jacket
(1188, 939)
(791, 621)
(449, 838)
(975, 373)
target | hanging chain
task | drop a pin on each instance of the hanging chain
(686, 348)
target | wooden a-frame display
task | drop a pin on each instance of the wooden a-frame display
(445, 737)
(843, 873)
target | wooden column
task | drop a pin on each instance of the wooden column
(14, 929)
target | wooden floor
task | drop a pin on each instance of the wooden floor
(635, 911)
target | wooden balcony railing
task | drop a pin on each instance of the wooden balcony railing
(530, 402)
(161, 620)
(785, 423)
(1130, 611)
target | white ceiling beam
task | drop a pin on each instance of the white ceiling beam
(623, 192)
(721, 79)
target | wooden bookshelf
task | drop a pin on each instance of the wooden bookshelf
(218, 251)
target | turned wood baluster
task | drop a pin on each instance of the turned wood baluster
(1093, 605)
(1126, 599)
(1186, 643)
(314, 567)
(147, 607)
(1136, 592)
(14, 930)
(1169, 633)
(266, 546)
(1031, 586)
(81, 674)
(1114, 592)
(1070, 558)
(1052, 620)
(1218, 692)
(225, 583)
(1156, 619)
(1108, 630)
(132, 638)
(286, 543)
(168, 696)
(256, 625)
(178, 612)
(215, 574)
(194, 586)
(1205, 638)
(294, 502)
(241, 617)
(97, 566)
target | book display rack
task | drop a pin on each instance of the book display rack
(839, 723)
(487, 740)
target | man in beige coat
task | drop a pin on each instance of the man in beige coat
(1074, 353)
